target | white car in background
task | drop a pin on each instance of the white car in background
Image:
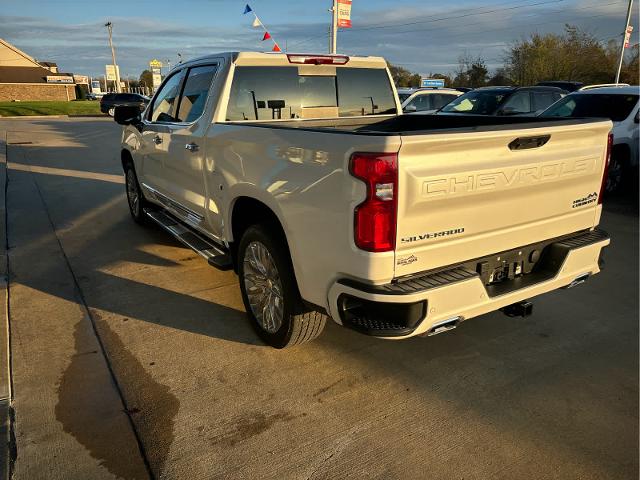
(428, 100)
(405, 92)
(619, 104)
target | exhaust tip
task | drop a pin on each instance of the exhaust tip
(444, 326)
(580, 279)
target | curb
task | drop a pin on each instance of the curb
(31, 117)
(5, 345)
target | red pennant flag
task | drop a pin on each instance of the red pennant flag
(276, 48)
(266, 36)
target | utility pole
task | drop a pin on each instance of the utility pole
(109, 26)
(334, 27)
(624, 36)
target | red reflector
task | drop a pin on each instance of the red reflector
(375, 218)
(318, 59)
(607, 162)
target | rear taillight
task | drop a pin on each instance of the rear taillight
(375, 218)
(607, 162)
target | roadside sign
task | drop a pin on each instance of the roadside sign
(59, 79)
(95, 86)
(155, 63)
(627, 36)
(81, 79)
(344, 13)
(111, 72)
(156, 77)
(432, 82)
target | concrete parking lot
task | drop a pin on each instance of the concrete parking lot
(132, 358)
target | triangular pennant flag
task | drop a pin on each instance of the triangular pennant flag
(247, 9)
(266, 36)
(276, 48)
(257, 22)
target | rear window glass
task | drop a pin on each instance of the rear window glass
(279, 93)
(616, 107)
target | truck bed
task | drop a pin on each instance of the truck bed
(419, 124)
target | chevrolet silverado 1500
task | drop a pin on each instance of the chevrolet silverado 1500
(301, 174)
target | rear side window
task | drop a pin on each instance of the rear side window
(519, 102)
(279, 93)
(195, 93)
(616, 107)
(165, 102)
(543, 100)
(439, 100)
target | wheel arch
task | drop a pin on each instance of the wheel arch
(247, 210)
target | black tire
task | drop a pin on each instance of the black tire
(299, 323)
(135, 209)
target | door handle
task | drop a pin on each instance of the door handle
(192, 147)
(157, 140)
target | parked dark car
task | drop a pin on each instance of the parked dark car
(564, 85)
(504, 101)
(110, 101)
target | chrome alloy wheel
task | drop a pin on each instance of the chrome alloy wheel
(133, 196)
(263, 286)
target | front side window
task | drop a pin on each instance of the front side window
(419, 103)
(195, 93)
(166, 101)
(279, 93)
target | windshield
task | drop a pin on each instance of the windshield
(613, 106)
(477, 102)
(280, 93)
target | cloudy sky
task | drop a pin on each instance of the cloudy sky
(422, 35)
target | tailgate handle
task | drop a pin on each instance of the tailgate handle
(523, 143)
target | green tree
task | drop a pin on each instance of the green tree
(403, 77)
(574, 55)
(146, 79)
(471, 72)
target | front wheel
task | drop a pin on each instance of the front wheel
(270, 293)
(135, 199)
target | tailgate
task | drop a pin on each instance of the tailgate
(465, 195)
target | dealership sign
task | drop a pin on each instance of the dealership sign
(432, 82)
(59, 79)
(111, 72)
(344, 13)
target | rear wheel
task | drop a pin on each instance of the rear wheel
(111, 111)
(270, 293)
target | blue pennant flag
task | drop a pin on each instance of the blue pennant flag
(247, 9)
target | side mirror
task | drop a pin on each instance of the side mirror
(410, 109)
(127, 115)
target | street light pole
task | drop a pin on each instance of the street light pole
(334, 27)
(109, 26)
(624, 37)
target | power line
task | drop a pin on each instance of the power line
(467, 14)
(517, 7)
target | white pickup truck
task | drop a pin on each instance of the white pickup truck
(301, 174)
